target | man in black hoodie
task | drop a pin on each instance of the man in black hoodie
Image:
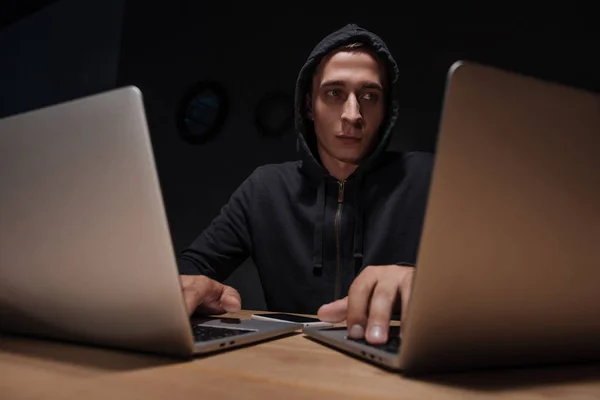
(335, 233)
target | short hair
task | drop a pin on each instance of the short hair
(353, 45)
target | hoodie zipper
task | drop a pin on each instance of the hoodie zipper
(338, 246)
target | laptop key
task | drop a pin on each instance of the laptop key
(204, 333)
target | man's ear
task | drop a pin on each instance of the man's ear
(308, 107)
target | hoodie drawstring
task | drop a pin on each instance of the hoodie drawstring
(317, 260)
(358, 227)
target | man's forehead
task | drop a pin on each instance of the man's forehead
(340, 66)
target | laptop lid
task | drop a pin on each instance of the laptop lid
(85, 248)
(509, 261)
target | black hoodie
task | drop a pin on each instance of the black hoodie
(309, 234)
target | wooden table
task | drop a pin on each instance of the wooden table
(293, 367)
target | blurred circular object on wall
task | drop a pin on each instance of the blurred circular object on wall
(202, 112)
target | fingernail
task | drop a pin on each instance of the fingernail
(377, 333)
(356, 332)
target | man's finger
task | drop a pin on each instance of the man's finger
(334, 312)
(384, 296)
(359, 296)
(230, 301)
(210, 308)
(405, 292)
(220, 299)
(204, 294)
(195, 290)
(192, 300)
(186, 280)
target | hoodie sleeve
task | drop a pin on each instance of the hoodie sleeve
(226, 243)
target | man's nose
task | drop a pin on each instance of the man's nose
(351, 113)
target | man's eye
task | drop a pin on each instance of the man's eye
(369, 96)
(334, 92)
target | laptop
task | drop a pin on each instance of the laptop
(85, 249)
(509, 260)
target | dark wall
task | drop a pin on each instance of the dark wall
(168, 46)
(66, 50)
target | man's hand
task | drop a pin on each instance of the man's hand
(373, 296)
(208, 296)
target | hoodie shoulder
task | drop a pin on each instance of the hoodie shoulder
(419, 164)
(269, 173)
(419, 160)
(418, 168)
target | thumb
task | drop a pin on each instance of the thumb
(231, 301)
(334, 312)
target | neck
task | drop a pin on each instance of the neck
(338, 169)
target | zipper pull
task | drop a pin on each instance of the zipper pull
(341, 186)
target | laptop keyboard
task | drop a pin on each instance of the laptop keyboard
(392, 345)
(203, 333)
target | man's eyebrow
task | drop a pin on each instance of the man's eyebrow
(373, 85)
(366, 85)
(333, 83)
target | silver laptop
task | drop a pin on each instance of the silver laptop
(85, 250)
(509, 262)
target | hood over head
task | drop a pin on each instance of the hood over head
(306, 141)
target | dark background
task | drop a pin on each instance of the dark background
(52, 51)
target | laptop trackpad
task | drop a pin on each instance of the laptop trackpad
(392, 345)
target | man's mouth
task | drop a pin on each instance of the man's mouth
(348, 138)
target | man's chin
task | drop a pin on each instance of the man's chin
(349, 159)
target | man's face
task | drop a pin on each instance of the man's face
(347, 105)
